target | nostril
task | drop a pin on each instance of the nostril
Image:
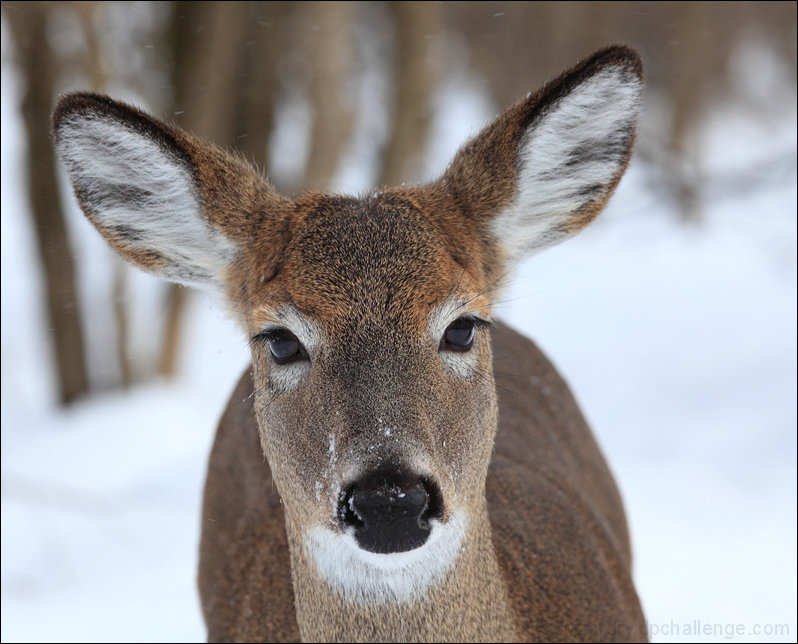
(434, 509)
(390, 512)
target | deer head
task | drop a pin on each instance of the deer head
(368, 317)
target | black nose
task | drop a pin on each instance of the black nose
(390, 511)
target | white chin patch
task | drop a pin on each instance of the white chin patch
(370, 578)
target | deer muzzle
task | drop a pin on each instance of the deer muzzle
(389, 511)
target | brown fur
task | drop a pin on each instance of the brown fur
(547, 484)
(545, 554)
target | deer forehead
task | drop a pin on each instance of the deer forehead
(377, 262)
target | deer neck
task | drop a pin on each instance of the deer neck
(468, 602)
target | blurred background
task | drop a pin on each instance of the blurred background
(673, 317)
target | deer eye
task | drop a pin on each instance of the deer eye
(459, 335)
(284, 346)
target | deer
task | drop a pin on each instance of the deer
(395, 464)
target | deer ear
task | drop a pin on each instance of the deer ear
(153, 190)
(546, 167)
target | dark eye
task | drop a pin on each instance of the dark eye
(283, 345)
(459, 336)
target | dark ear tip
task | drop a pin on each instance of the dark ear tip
(76, 102)
(617, 56)
(92, 105)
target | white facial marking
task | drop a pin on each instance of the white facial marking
(366, 577)
(303, 327)
(568, 159)
(144, 194)
(287, 377)
(463, 364)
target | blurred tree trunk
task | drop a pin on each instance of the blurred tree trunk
(98, 76)
(417, 23)
(699, 66)
(207, 39)
(119, 293)
(264, 43)
(330, 27)
(175, 306)
(224, 75)
(28, 26)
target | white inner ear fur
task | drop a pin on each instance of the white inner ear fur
(568, 159)
(142, 193)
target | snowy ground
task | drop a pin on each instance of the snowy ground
(680, 343)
